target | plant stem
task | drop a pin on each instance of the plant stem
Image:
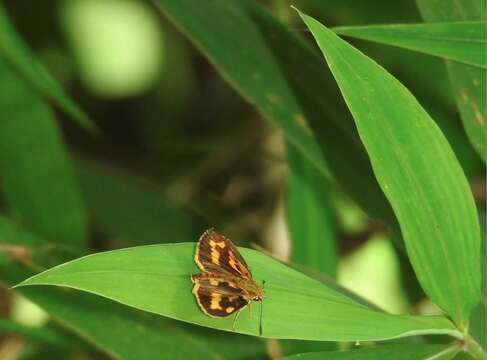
(473, 348)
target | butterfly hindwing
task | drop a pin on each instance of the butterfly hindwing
(218, 297)
(216, 254)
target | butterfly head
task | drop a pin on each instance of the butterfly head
(257, 292)
(258, 297)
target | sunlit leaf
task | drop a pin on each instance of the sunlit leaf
(310, 217)
(132, 334)
(459, 41)
(468, 82)
(397, 352)
(418, 173)
(157, 279)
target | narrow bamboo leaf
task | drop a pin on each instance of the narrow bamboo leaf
(133, 334)
(157, 279)
(450, 10)
(418, 173)
(327, 280)
(18, 54)
(132, 210)
(35, 169)
(396, 351)
(468, 82)
(459, 41)
(477, 325)
(273, 98)
(310, 217)
(284, 79)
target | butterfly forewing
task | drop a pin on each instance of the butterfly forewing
(216, 254)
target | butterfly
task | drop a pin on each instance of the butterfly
(225, 285)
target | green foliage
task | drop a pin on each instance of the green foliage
(56, 212)
(468, 82)
(460, 41)
(300, 108)
(416, 169)
(398, 352)
(310, 216)
(24, 63)
(296, 307)
(246, 130)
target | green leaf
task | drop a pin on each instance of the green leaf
(458, 41)
(284, 79)
(451, 10)
(468, 82)
(13, 49)
(131, 209)
(156, 278)
(418, 173)
(469, 86)
(310, 217)
(133, 334)
(36, 173)
(264, 86)
(395, 351)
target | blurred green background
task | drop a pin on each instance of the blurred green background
(179, 151)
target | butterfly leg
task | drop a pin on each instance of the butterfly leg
(235, 319)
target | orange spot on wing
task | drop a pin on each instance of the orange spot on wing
(215, 302)
(233, 263)
(215, 253)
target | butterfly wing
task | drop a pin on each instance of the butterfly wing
(218, 297)
(217, 255)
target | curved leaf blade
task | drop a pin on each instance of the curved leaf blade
(458, 41)
(264, 87)
(37, 175)
(418, 173)
(310, 217)
(156, 278)
(150, 336)
(468, 82)
(396, 351)
(133, 334)
(17, 53)
(284, 79)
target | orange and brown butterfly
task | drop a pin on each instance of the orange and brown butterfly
(225, 285)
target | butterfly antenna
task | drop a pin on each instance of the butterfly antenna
(261, 310)
(235, 320)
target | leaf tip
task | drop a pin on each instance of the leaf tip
(297, 10)
(17, 285)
